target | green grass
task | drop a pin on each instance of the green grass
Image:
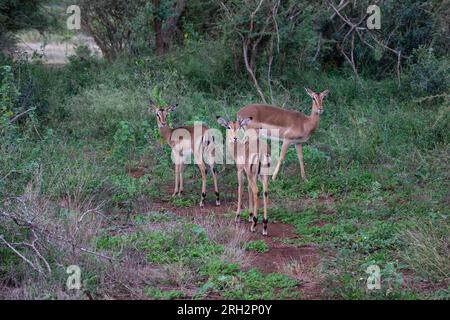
(257, 246)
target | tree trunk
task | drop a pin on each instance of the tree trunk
(171, 23)
(157, 26)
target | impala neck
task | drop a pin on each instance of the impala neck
(314, 118)
(166, 133)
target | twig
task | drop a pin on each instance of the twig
(21, 256)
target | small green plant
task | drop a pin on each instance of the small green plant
(257, 246)
(124, 141)
(159, 294)
(182, 202)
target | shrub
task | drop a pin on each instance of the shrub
(429, 75)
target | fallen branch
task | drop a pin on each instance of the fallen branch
(31, 264)
(18, 116)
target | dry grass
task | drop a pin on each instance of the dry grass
(428, 250)
(232, 236)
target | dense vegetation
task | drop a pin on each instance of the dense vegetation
(85, 179)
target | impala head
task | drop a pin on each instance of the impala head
(161, 112)
(235, 129)
(317, 100)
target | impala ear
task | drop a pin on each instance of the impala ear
(172, 107)
(324, 93)
(245, 121)
(152, 104)
(223, 122)
(310, 92)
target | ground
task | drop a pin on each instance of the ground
(300, 262)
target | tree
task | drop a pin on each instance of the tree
(22, 15)
(122, 25)
(166, 15)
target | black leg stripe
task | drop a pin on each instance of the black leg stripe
(265, 221)
(255, 219)
(217, 195)
(203, 195)
(265, 194)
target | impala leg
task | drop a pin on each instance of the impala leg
(284, 148)
(265, 184)
(299, 148)
(239, 204)
(255, 203)
(202, 168)
(177, 169)
(250, 202)
(180, 172)
(216, 188)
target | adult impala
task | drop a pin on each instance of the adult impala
(252, 157)
(292, 127)
(184, 142)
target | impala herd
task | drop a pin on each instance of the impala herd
(246, 143)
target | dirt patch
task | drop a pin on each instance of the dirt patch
(136, 173)
(300, 262)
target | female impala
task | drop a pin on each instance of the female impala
(292, 127)
(185, 141)
(252, 156)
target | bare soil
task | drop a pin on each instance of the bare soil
(300, 262)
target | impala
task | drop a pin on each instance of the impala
(292, 127)
(185, 141)
(252, 156)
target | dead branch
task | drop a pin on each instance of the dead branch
(357, 28)
(18, 116)
(31, 264)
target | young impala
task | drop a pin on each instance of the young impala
(184, 142)
(252, 156)
(292, 127)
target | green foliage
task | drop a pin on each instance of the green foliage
(429, 75)
(254, 285)
(9, 96)
(257, 246)
(188, 243)
(158, 294)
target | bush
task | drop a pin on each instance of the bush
(9, 96)
(429, 75)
